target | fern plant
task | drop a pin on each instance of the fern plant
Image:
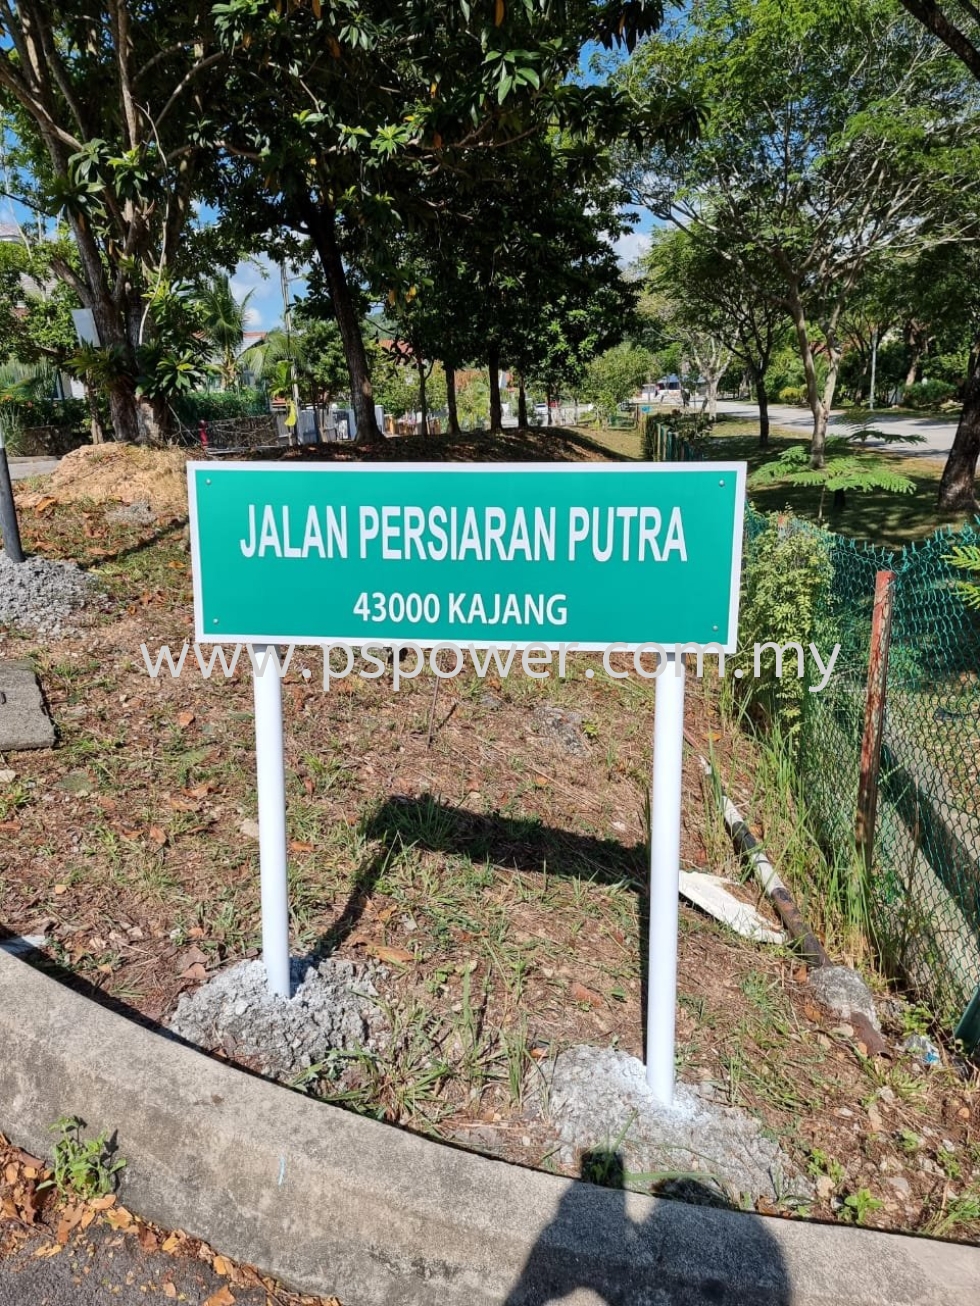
(844, 470)
(967, 558)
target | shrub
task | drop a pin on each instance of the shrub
(215, 405)
(785, 580)
(793, 394)
(928, 394)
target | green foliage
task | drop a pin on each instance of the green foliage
(859, 1205)
(967, 558)
(785, 592)
(793, 394)
(82, 1168)
(616, 376)
(928, 394)
(219, 405)
(844, 470)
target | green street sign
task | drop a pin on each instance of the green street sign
(482, 554)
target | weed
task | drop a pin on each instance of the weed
(858, 1206)
(909, 1141)
(822, 1164)
(83, 1168)
(963, 1210)
(947, 1161)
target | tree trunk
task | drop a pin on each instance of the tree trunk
(957, 489)
(547, 405)
(521, 404)
(95, 420)
(818, 440)
(451, 398)
(423, 400)
(711, 397)
(321, 221)
(762, 395)
(493, 364)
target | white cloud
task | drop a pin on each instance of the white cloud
(631, 246)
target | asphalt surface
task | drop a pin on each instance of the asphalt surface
(104, 1266)
(22, 468)
(937, 433)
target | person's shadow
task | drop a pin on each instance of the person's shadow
(680, 1255)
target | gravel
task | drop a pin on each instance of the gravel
(333, 1008)
(40, 595)
(598, 1100)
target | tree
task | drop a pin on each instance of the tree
(826, 142)
(616, 376)
(223, 322)
(337, 113)
(109, 103)
(697, 290)
(961, 35)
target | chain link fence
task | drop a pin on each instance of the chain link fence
(923, 891)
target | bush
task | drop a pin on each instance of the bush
(793, 394)
(928, 394)
(216, 405)
(785, 581)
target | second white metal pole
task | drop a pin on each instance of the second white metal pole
(665, 855)
(271, 773)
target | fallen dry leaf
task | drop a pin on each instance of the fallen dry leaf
(298, 846)
(9, 827)
(169, 1290)
(221, 1266)
(185, 719)
(195, 972)
(396, 956)
(172, 1241)
(223, 1297)
(103, 1203)
(579, 993)
(158, 835)
(120, 1218)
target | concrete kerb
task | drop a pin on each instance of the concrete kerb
(335, 1203)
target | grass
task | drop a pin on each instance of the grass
(892, 520)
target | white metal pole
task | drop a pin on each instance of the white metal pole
(271, 771)
(665, 854)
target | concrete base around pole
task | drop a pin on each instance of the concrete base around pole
(335, 1203)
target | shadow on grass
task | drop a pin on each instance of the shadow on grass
(506, 843)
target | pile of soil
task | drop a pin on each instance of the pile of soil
(119, 473)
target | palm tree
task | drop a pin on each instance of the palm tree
(223, 323)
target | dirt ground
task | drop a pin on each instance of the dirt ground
(486, 843)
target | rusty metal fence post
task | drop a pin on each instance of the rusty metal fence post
(874, 716)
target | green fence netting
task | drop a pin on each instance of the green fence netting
(924, 889)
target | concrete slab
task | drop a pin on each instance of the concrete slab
(332, 1202)
(24, 720)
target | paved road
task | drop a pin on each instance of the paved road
(21, 468)
(101, 1266)
(937, 432)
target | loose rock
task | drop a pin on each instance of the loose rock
(599, 1099)
(842, 991)
(39, 595)
(333, 1008)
